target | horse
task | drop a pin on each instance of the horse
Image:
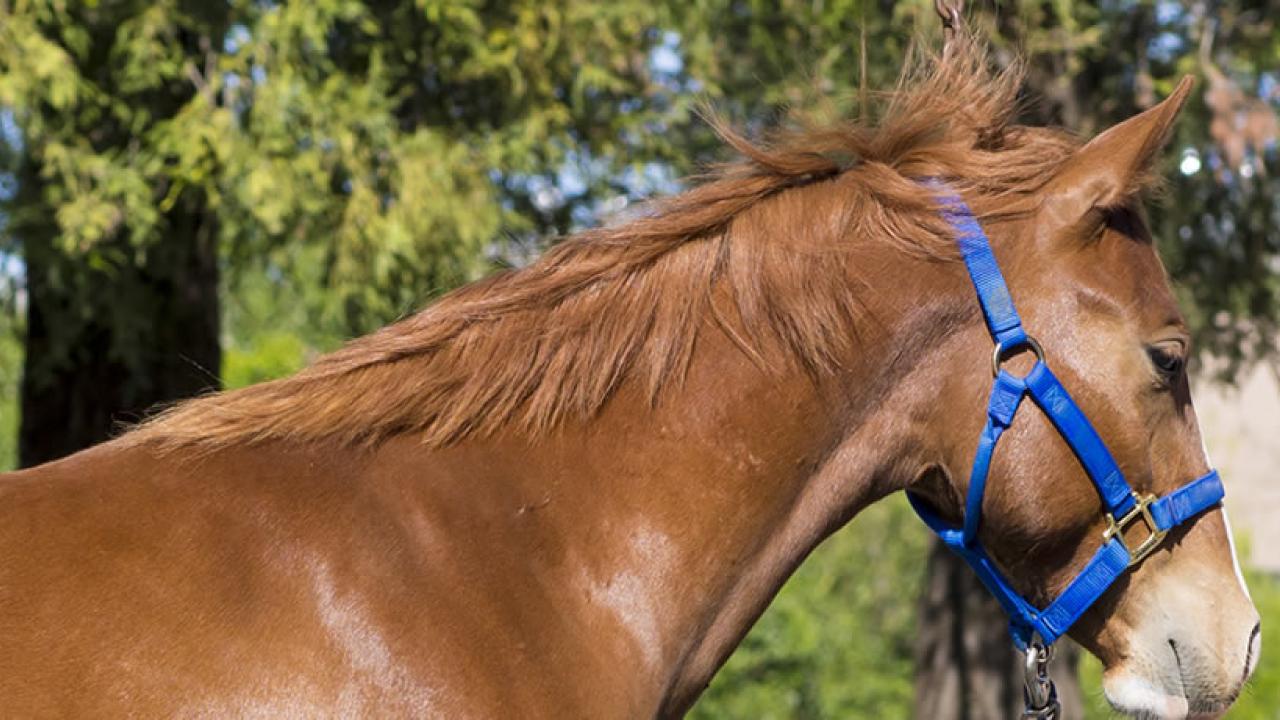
(568, 490)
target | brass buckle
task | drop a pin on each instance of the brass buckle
(1142, 510)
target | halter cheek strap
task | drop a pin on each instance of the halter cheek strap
(1123, 507)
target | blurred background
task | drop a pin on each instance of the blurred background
(207, 194)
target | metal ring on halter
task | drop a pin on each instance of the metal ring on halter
(1002, 350)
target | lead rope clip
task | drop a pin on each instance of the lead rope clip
(950, 13)
(1039, 694)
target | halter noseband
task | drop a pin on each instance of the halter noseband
(1124, 507)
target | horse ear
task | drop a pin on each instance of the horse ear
(1114, 165)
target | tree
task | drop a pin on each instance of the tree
(372, 152)
(120, 260)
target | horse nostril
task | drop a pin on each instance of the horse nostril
(1251, 656)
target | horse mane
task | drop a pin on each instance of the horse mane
(532, 348)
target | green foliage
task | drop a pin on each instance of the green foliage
(10, 373)
(836, 643)
(405, 140)
(88, 93)
(267, 357)
(410, 141)
(270, 329)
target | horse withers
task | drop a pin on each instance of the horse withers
(569, 490)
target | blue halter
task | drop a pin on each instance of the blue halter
(1124, 507)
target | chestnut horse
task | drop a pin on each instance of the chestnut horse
(569, 490)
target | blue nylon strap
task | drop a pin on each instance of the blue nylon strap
(978, 482)
(1014, 606)
(1188, 501)
(1107, 564)
(1111, 559)
(1076, 429)
(993, 293)
(1006, 394)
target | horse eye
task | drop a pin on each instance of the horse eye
(1168, 362)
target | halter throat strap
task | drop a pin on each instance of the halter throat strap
(1123, 508)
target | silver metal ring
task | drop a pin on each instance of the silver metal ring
(1002, 350)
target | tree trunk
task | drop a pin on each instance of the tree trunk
(966, 666)
(105, 345)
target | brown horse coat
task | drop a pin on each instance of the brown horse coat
(568, 491)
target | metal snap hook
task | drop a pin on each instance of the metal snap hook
(949, 13)
(1040, 696)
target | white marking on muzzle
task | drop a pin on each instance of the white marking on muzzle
(1138, 697)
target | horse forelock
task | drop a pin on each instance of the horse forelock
(749, 250)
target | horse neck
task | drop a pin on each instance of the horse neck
(672, 527)
(691, 515)
(795, 459)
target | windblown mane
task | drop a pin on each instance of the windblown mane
(534, 347)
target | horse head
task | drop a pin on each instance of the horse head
(1176, 630)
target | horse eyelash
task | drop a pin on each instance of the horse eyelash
(1168, 365)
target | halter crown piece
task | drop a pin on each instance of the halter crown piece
(1032, 626)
